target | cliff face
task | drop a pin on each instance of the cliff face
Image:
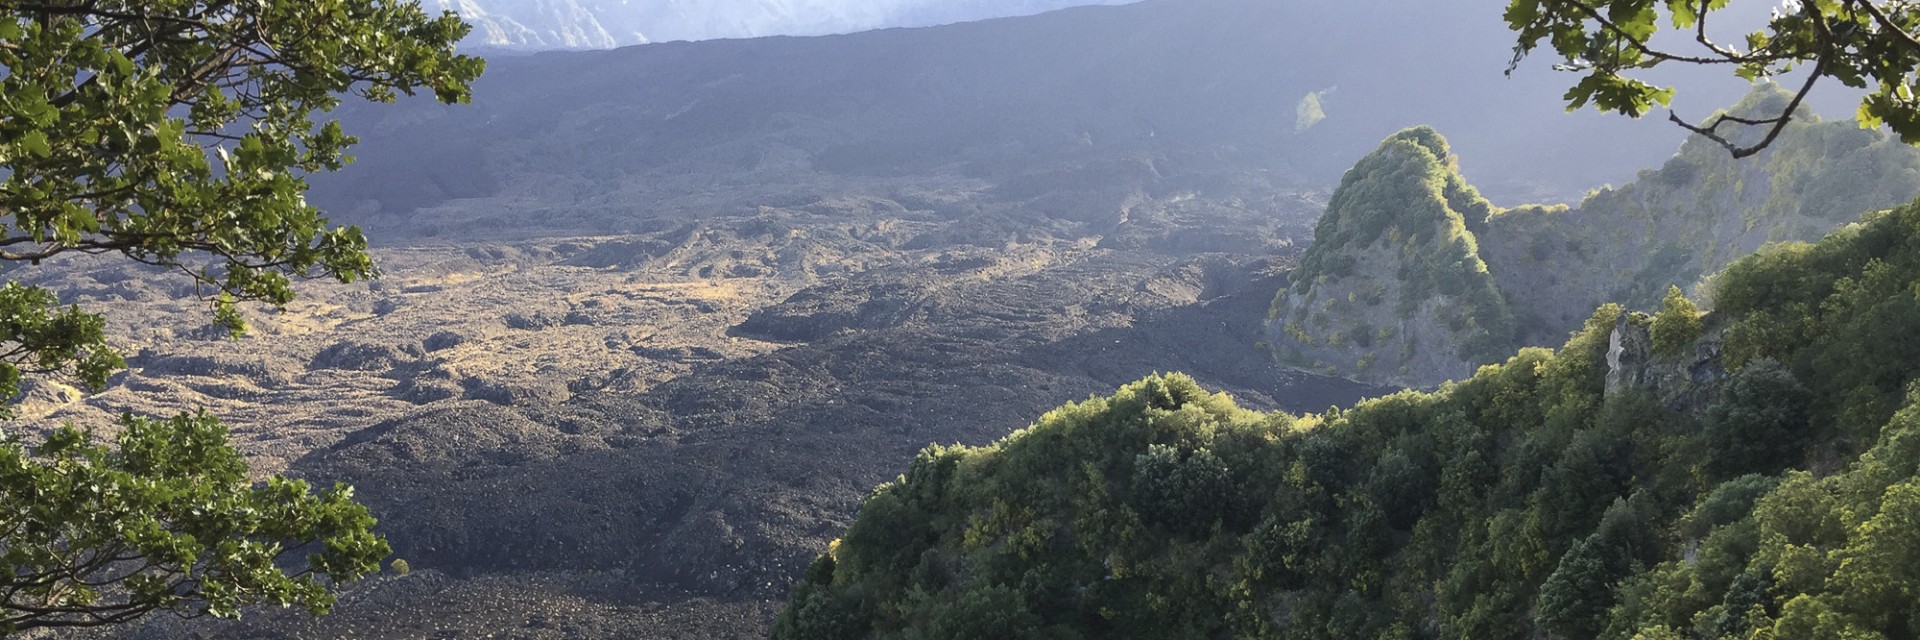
(1414, 279)
(1393, 289)
(1686, 381)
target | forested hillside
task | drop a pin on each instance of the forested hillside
(1414, 279)
(1751, 473)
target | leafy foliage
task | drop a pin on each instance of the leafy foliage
(1836, 314)
(46, 339)
(1760, 423)
(178, 133)
(1691, 218)
(1865, 44)
(166, 519)
(159, 130)
(1527, 501)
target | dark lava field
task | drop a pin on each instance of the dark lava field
(651, 434)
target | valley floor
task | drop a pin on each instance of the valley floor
(650, 434)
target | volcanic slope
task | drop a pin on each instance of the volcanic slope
(1202, 90)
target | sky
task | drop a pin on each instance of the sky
(576, 24)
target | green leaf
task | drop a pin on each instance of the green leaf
(1684, 13)
(1635, 19)
(1521, 13)
(35, 142)
(1865, 115)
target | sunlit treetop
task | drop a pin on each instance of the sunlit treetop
(1865, 44)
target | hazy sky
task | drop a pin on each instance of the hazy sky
(603, 23)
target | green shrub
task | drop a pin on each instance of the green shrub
(1760, 424)
(1185, 491)
(1677, 325)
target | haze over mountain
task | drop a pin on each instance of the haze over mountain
(1165, 95)
(602, 24)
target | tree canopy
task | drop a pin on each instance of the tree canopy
(1771, 494)
(179, 133)
(1864, 44)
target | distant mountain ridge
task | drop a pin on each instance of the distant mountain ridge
(537, 25)
(1162, 96)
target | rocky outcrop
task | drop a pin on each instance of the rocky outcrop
(1629, 353)
(818, 312)
(1686, 382)
(353, 355)
(265, 370)
(1393, 289)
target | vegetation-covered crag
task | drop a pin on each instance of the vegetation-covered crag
(1414, 279)
(1747, 474)
(1395, 266)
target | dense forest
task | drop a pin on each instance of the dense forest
(1746, 473)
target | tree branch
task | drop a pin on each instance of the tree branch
(1700, 33)
(1779, 124)
(1645, 49)
(1887, 23)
